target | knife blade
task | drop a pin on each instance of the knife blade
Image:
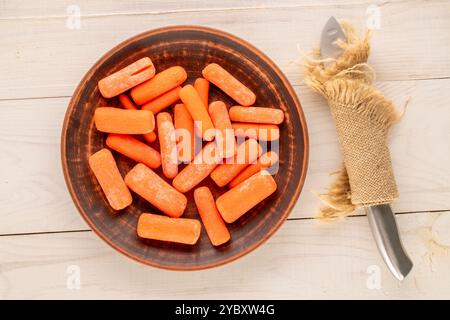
(381, 217)
(331, 33)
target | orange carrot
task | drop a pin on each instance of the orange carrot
(163, 101)
(264, 162)
(198, 111)
(204, 163)
(159, 84)
(126, 78)
(126, 102)
(184, 125)
(265, 132)
(146, 183)
(224, 131)
(115, 120)
(212, 220)
(134, 149)
(202, 87)
(150, 137)
(229, 84)
(157, 227)
(108, 176)
(246, 153)
(237, 201)
(256, 115)
(167, 145)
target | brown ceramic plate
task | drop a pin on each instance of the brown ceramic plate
(193, 48)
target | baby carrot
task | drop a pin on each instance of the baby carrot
(126, 78)
(202, 87)
(126, 102)
(204, 163)
(163, 101)
(265, 132)
(157, 227)
(237, 201)
(115, 120)
(229, 84)
(224, 131)
(167, 144)
(212, 220)
(246, 153)
(150, 137)
(108, 176)
(264, 162)
(146, 183)
(256, 115)
(198, 111)
(184, 125)
(159, 84)
(134, 149)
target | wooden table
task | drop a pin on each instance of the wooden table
(44, 243)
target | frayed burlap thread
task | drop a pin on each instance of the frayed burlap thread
(362, 117)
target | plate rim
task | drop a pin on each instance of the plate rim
(177, 28)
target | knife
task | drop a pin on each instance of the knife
(381, 217)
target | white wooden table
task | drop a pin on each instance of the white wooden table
(45, 244)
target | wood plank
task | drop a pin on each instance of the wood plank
(43, 58)
(46, 8)
(304, 259)
(33, 196)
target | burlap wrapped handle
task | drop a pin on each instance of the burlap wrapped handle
(362, 132)
(363, 117)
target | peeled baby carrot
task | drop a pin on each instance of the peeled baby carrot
(184, 125)
(229, 84)
(246, 153)
(198, 111)
(163, 101)
(159, 84)
(134, 149)
(204, 163)
(237, 201)
(115, 120)
(224, 131)
(155, 190)
(167, 144)
(265, 132)
(126, 78)
(256, 115)
(108, 176)
(126, 102)
(264, 162)
(150, 137)
(202, 87)
(157, 227)
(212, 220)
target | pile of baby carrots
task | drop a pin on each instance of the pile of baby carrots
(144, 95)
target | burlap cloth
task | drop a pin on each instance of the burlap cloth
(363, 117)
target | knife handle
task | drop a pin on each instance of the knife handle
(384, 229)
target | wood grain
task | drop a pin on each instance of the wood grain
(303, 260)
(36, 51)
(35, 66)
(44, 9)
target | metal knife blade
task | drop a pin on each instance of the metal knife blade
(381, 217)
(386, 235)
(330, 34)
